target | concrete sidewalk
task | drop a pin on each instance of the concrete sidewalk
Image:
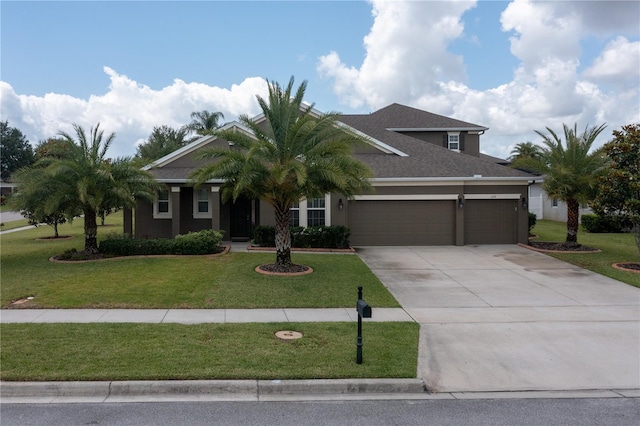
(498, 318)
(197, 316)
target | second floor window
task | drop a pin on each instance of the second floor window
(454, 142)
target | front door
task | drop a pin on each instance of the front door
(241, 219)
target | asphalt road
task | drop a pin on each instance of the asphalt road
(511, 412)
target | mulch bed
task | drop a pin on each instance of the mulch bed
(628, 266)
(80, 257)
(293, 270)
(557, 247)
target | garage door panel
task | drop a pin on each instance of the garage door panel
(490, 222)
(402, 222)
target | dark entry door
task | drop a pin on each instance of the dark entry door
(241, 219)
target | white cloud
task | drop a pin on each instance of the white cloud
(407, 60)
(406, 52)
(618, 63)
(129, 108)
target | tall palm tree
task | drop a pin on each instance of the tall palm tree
(570, 170)
(294, 154)
(204, 122)
(90, 181)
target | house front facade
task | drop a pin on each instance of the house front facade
(431, 186)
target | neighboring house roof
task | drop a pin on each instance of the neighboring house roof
(496, 160)
(398, 156)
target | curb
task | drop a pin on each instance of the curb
(220, 390)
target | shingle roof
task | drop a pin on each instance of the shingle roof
(401, 116)
(424, 160)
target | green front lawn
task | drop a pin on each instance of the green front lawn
(226, 281)
(44, 352)
(615, 248)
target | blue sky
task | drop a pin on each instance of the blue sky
(514, 67)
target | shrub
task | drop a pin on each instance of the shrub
(193, 243)
(264, 235)
(602, 224)
(532, 221)
(336, 236)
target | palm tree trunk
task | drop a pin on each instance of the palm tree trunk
(90, 231)
(573, 214)
(283, 237)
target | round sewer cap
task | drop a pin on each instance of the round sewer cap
(288, 335)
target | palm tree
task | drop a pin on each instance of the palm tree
(204, 122)
(525, 150)
(570, 170)
(89, 181)
(294, 154)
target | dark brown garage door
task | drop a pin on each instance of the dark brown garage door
(394, 223)
(490, 222)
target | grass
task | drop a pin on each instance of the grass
(615, 248)
(227, 281)
(14, 224)
(49, 352)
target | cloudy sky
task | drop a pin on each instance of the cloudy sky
(514, 67)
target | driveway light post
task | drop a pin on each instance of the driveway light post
(364, 311)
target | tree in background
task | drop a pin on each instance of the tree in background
(162, 141)
(204, 122)
(34, 199)
(15, 150)
(618, 192)
(53, 148)
(525, 150)
(570, 170)
(294, 154)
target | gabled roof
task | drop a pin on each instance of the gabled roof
(197, 144)
(423, 160)
(403, 118)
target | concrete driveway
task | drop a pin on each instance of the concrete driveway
(502, 317)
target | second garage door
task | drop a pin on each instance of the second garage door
(405, 222)
(490, 222)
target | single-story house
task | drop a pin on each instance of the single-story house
(549, 208)
(432, 186)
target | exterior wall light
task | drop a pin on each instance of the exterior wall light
(340, 204)
(461, 201)
(524, 202)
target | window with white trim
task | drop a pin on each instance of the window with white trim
(201, 203)
(454, 141)
(311, 212)
(316, 212)
(294, 218)
(554, 202)
(162, 205)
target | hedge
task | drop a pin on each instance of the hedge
(335, 237)
(602, 224)
(202, 242)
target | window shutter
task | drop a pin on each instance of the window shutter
(461, 142)
(445, 141)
